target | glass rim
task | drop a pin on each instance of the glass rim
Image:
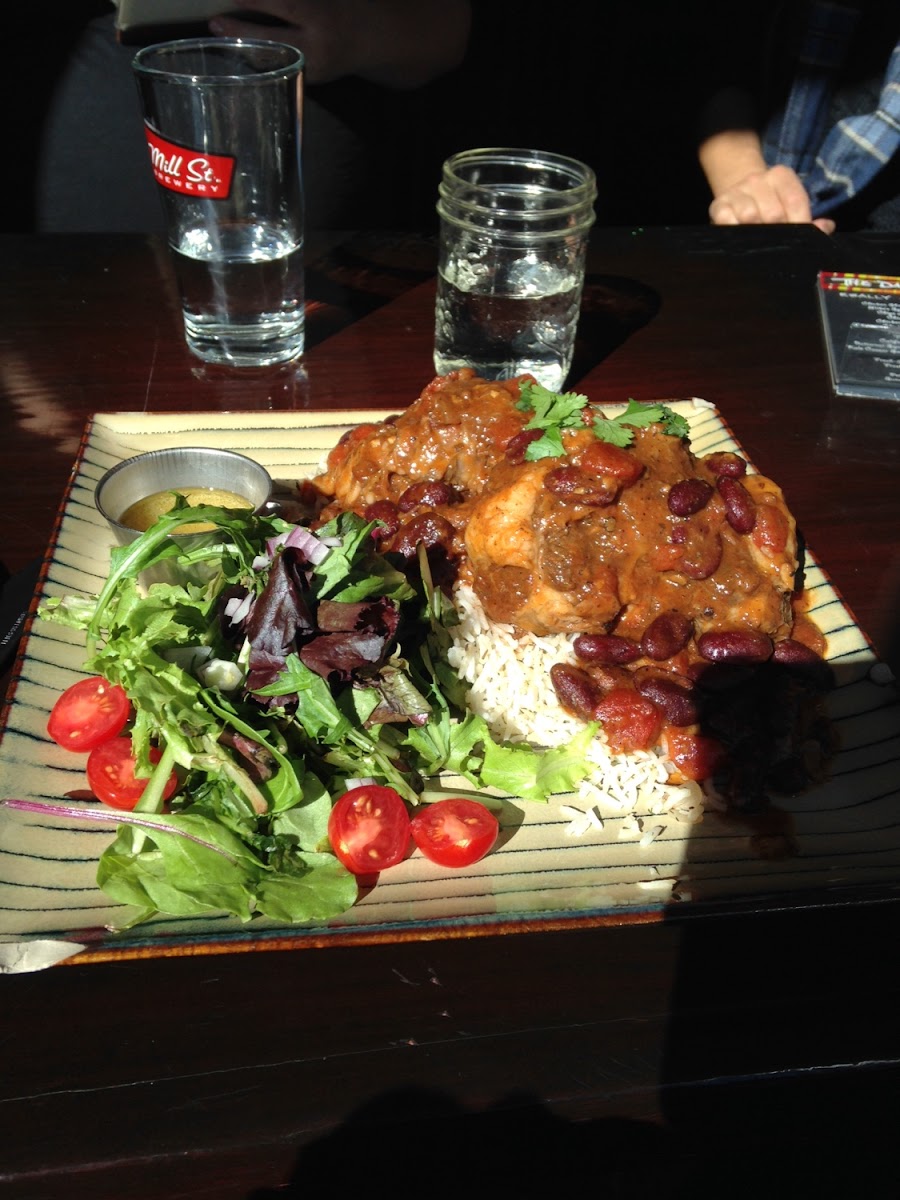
(582, 175)
(565, 205)
(527, 233)
(293, 61)
(491, 209)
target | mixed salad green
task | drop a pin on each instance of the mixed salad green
(301, 665)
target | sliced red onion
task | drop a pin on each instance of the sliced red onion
(237, 609)
(313, 547)
(273, 543)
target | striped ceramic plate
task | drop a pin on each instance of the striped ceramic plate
(555, 865)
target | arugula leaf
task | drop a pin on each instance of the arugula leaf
(317, 711)
(282, 789)
(155, 546)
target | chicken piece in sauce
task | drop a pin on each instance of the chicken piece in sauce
(455, 433)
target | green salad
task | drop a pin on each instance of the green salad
(302, 665)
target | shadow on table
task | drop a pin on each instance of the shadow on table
(780, 1073)
(513, 1147)
(781, 1076)
(613, 307)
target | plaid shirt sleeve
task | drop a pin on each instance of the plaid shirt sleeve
(834, 161)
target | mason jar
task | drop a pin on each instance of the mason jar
(514, 227)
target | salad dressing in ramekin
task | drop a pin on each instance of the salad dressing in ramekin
(144, 512)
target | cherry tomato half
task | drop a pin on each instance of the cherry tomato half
(89, 712)
(454, 832)
(369, 828)
(110, 772)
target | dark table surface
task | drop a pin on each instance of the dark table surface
(735, 1052)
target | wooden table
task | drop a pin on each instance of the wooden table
(741, 1052)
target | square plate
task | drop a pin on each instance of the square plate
(550, 868)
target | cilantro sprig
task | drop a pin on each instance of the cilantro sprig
(553, 412)
(620, 430)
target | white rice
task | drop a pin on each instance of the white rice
(508, 673)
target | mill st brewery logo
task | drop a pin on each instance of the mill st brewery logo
(204, 176)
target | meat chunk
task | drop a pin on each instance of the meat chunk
(534, 561)
(457, 431)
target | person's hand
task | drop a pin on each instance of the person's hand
(769, 197)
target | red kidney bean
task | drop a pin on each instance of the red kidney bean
(429, 528)
(702, 549)
(689, 496)
(725, 464)
(575, 690)
(735, 646)
(429, 492)
(608, 649)
(797, 655)
(666, 635)
(519, 443)
(790, 651)
(740, 510)
(673, 699)
(702, 557)
(571, 483)
(386, 512)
